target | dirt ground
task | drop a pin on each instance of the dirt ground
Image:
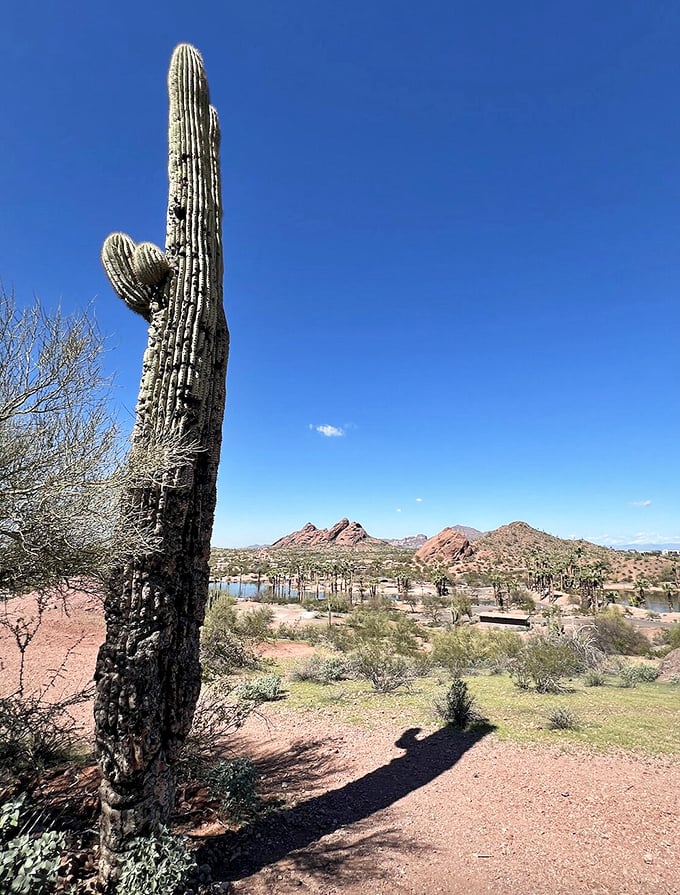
(394, 809)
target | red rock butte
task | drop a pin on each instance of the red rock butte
(343, 534)
(446, 547)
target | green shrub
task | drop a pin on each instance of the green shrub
(614, 634)
(594, 678)
(457, 650)
(394, 630)
(35, 733)
(383, 668)
(284, 631)
(159, 864)
(421, 664)
(502, 645)
(433, 608)
(223, 618)
(522, 599)
(223, 652)
(457, 708)
(562, 718)
(544, 662)
(228, 636)
(321, 670)
(403, 634)
(233, 782)
(627, 680)
(308, 633)
(369, 626)
(632, 675)
(28, 863)
(673, 636)
(646, 674)
(340, 637)
(260, 689)
(336, 602)
(255, 625)
(221, 615)
(460, 606)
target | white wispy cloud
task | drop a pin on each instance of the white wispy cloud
(641, 503)
(399, 509)
(419, 499)
(328, 431)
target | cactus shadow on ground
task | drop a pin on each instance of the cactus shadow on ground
(235, 855)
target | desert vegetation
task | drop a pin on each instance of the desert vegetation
(590, 680)
(522, 567)
(392, 650)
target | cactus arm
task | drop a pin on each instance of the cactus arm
(123, 261)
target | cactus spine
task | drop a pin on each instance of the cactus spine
(148, 673)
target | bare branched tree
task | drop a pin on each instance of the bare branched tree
(63, 462)
(59, 450)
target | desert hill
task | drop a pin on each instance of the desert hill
(447, 548)
(511, 547)
(519, 542)
(343, 534)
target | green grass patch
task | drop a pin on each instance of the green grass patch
(642, 719)
(355, 701)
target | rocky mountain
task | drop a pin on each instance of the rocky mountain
(343, 534)
(472, 534)
(414, 541)
(447, 547)
(417, 541)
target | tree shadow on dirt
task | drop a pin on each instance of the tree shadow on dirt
(286, 832)
(296, 768)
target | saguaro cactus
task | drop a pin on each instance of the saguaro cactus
(148, 672)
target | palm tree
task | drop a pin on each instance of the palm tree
(642, 585)
(671, 590)
(439, 577)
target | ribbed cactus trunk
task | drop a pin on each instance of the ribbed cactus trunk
(148, 673)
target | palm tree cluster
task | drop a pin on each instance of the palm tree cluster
(570, 574)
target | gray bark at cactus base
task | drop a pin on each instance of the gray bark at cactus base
(148, 673)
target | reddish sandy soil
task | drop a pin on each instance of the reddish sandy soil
(391, 809)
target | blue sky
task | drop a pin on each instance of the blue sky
(452, 234)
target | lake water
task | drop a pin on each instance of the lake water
(249, 591)
(654, 604)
